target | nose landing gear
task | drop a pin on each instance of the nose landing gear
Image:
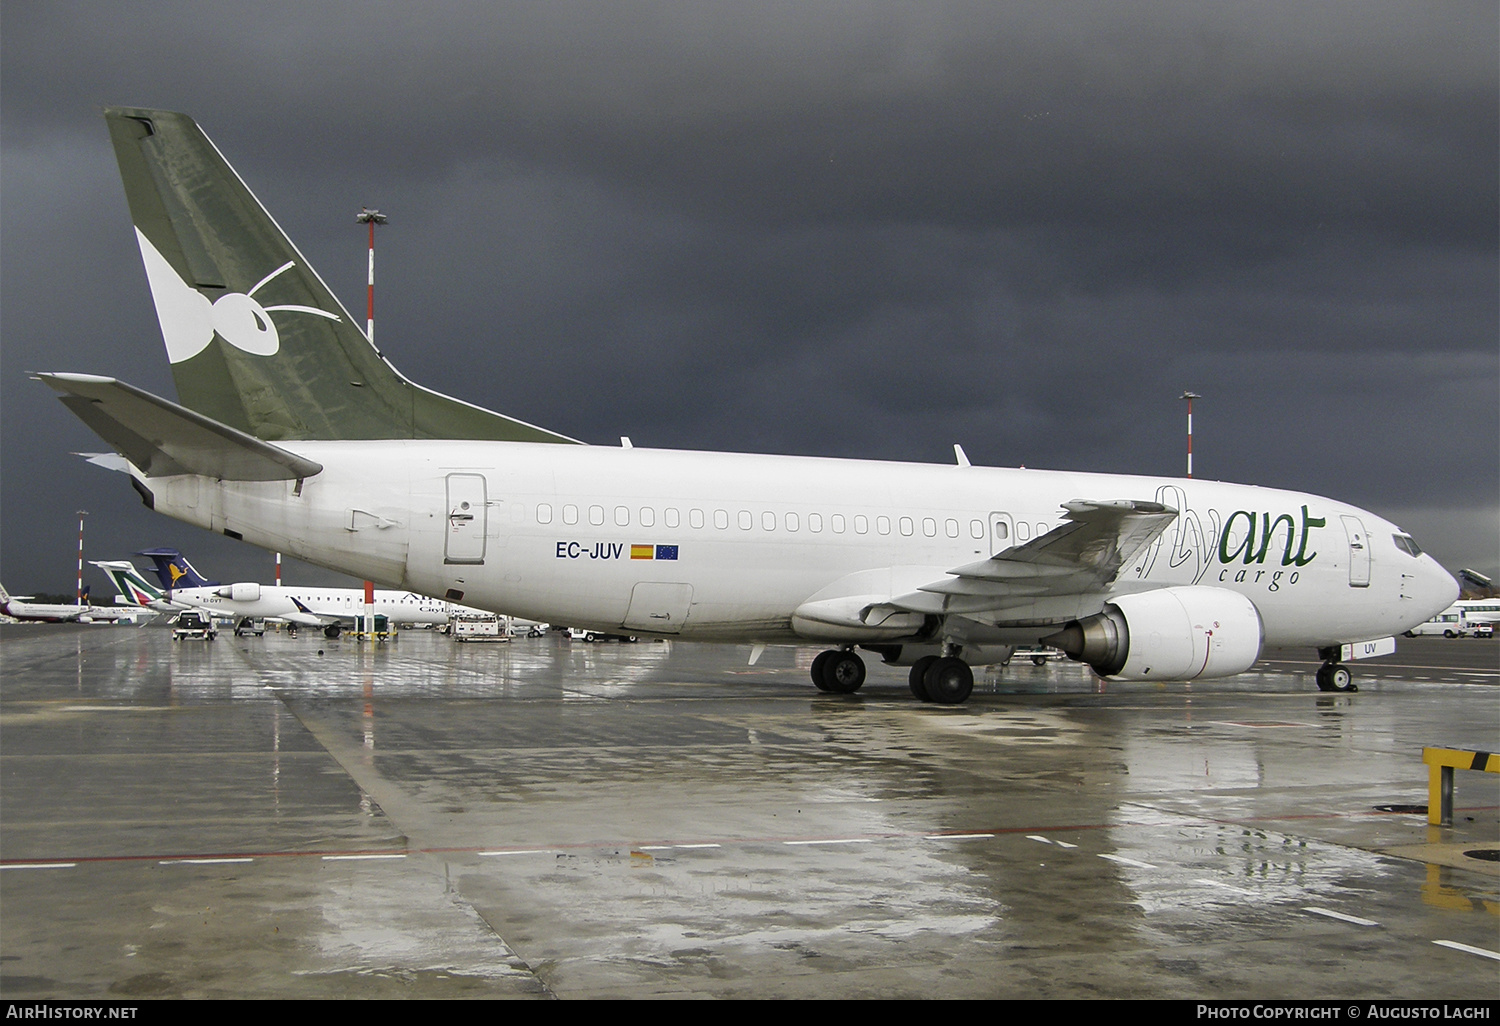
(1335, 676)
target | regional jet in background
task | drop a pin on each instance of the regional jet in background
(294, 433)
(328, 609)
(15, 607)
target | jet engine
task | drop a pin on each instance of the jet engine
(246, 591)
(1170, 634)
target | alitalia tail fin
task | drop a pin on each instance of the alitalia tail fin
(257, 341)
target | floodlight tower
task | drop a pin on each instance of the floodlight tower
(1190, 396)
(79, 598)
(371, 218)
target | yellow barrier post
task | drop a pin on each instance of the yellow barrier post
(1441, 762)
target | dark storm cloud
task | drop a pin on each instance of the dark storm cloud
(866, 229)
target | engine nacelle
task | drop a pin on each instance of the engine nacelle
(246, 591)
(1170, 634)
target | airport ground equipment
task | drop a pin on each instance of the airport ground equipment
(1441, 762)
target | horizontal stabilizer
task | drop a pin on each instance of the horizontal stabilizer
(162, 438)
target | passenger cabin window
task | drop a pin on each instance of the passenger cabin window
(929, 527)
(596, 515)
(746, 520)
(648, 516)
(906, 527)
(622, 516)
(837, 520)
(544, 513)
(815, 522)
(791, 521)
(950, 528)
(768, 521)
(721, 519)
(976, 529)
(695, 518)
(671, 517)
(1023, 530)
(570, 514)
(861, 524)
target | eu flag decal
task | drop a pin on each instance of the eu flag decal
(666, 552)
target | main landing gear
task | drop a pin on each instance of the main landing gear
(1334, 675)
(947, 680)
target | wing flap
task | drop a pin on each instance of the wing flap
(1085, 554)
(162, 438)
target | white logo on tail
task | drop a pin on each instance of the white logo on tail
(189, 321)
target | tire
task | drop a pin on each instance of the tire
(949, 681)
(1450, 634)
(1038, 660)
(918, 677)
(1335, 677)
(818, 663)
(844, 673)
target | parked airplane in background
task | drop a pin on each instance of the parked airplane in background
(330, 609)
(17, 609)
(297, 435)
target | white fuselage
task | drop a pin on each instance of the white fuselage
(308, 606)
(726, 546)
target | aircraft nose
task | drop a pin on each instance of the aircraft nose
(1437, 588)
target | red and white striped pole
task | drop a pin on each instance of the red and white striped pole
(1190, 396)
(371, 218)
(278, 569)
(81, 514)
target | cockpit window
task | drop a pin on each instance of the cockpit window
(1406, 543)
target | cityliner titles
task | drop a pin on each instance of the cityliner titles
(1350, 1012)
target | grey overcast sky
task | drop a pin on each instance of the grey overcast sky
(866, 229)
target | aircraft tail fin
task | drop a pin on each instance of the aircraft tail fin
(257, 341)
(174, 570)
(129, 583)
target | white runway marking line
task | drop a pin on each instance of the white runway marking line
(1128, 862)
(673, 847)
(1225, 887)
(837, 840)
(957, 837)
(522, 851)
(359, 858)
(203, 862)
(1060, 844)
(45, 865)
(1481, 952)
(1331, 914)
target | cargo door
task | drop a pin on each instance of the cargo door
(658, 608)
(467, 519)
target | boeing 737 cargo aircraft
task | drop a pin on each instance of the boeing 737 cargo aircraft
(295, 434)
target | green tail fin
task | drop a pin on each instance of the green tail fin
(256, 340)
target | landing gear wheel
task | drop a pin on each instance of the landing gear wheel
(333, 630)
(948, 681)
(918, 678)
(843, 673)
(1335, 677)
(818, 664)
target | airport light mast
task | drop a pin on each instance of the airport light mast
(79, 597)
(371, 218)
(1190, 396)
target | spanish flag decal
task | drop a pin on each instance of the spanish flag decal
(653, 552)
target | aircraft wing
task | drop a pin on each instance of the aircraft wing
(1083, 555)
(162, 438)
